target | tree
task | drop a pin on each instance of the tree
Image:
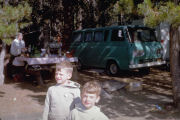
(105, 8)
(169, 12)
(123, 8)
(12, 19)
(64, 16)
(93, 13)
(175, 53)
(53, 17)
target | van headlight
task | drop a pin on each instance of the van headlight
(138, 53)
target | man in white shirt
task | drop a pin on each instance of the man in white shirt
(17, 47)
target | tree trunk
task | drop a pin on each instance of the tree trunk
(175, 62)
(68, 22)
(2, 56)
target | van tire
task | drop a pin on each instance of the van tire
(112, 68)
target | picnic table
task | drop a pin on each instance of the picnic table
(34, 66)
(45, 60)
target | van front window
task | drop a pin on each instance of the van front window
(117, 35)
(143, 35)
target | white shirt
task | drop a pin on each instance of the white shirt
(16, 47)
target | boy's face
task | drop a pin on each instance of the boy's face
(89, 100)
(61, 76)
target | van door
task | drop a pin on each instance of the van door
(86, 52)
(119, 48)
(97, 48)
(111, 45)
(79, 46)
(77, 43)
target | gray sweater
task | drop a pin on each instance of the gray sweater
(81, 113)
(60, 100)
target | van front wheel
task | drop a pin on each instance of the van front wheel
(112, 68)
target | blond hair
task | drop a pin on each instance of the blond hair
(92, 87)
(66, 65)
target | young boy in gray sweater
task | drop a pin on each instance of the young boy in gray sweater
(87, 110)
(62, 97)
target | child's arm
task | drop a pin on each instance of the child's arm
(46, 106)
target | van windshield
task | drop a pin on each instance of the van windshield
(141, 34)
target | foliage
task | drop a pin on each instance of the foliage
(124, 6)
(94, 13)
(105, 8)
(173, 16)
(155, 14)
(12, 19)
(124, 11)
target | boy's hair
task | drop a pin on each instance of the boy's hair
(92, 87)
(66, 65)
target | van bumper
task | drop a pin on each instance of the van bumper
(149, 64)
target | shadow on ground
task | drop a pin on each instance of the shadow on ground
(157, 90)
(138, 104)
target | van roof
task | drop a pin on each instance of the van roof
(111, 27)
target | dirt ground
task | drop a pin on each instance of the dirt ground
(25, 100)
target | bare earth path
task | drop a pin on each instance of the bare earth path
(24, 101)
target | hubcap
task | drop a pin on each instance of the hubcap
(113, 68)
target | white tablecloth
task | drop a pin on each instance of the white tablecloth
(45, 60)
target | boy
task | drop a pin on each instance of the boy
(62, 97)
(86, 110)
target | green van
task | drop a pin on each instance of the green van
(117, 48)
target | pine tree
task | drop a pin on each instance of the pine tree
(12, 19)
(123, 9)
(167, 12)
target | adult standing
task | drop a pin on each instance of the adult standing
(17, 48)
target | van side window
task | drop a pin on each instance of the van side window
(88, 36)
(98, 36)
(77, 37)
(117, 35)
(106, 35)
